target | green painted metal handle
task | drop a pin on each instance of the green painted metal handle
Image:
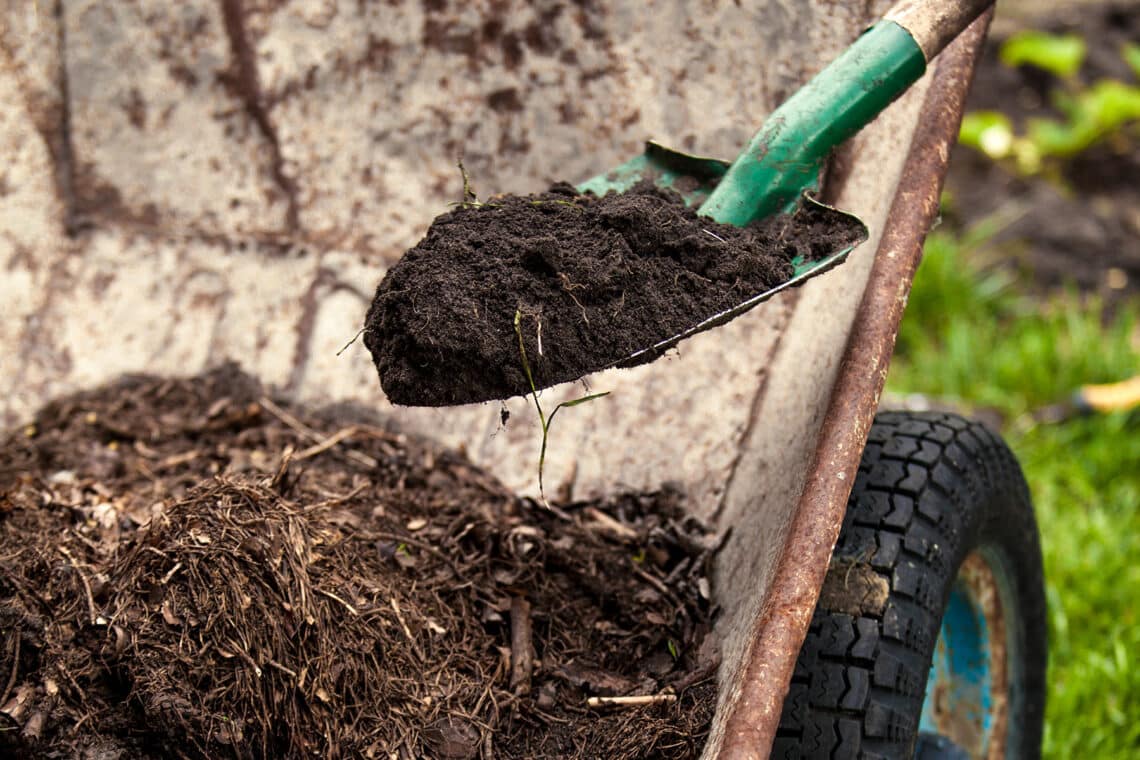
(785, 157)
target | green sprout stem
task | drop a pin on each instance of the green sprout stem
(543, 420)
(469, 198)
(468, 188)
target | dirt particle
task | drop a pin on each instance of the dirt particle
(452, 738)
(447, 38)
(378, 55)
(135, 108)
(854, 588)
(512, 47)
(505, 100)
(540, 35)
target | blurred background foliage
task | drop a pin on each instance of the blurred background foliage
(1027, 292)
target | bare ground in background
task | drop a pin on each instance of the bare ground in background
(1081, 224)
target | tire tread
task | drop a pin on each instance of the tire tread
(860, 680)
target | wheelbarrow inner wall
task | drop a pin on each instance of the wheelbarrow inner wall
(191, 182)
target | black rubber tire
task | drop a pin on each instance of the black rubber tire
(931, 489)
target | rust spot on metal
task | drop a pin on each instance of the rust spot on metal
(754, 714)
(446, 38)
(512, 47)
(505, 100)
(378, 54)
(96, 199)
(100, 282)
(135, 109)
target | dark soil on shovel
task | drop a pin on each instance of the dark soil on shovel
(592, 279)
(189, 569)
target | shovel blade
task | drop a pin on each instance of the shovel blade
(694, 178)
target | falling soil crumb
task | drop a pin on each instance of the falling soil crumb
(594, 281)
(853, 588)
(188, 569)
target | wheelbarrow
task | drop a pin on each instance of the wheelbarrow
(242, 192)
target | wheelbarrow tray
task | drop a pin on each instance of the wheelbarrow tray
(167, 212)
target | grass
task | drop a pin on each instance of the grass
(973, 337)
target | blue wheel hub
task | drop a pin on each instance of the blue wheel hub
(965, 707)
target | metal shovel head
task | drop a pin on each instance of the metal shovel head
(694, 178)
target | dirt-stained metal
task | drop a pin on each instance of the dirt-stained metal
(935, 25)
(751, 725)
(978, 577)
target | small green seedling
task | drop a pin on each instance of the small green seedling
(1130, 51)
(543, 420)
(469, 198)
(1107, 110)
(468, 188)
(1059, 54)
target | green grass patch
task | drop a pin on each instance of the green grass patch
(973, 337)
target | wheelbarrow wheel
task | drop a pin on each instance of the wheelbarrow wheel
(928, 639)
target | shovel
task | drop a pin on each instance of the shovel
(776, 172)
(783, 162)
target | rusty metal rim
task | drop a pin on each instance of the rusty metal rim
(752, 718)
(983, 730)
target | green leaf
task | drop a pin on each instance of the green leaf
(1061, 54)
(1130, 51)
(584, 399)
(672, 646)
(990, 132)
(1112, 104)
(1094, 114)
(575, 402)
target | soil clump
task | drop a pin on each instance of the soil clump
(593, 280)
(189, 569)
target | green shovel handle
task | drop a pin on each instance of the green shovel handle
(785, 157)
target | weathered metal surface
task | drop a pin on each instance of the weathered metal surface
(967, 700)
(752, 714)
(935, 25)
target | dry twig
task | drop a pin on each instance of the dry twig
(638, 701)
(522, 648)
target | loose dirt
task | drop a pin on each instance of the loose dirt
(593, 280)
(189, 569)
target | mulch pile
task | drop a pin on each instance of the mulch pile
(592, 279)
(189, 569)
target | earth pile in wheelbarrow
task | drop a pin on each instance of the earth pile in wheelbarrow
(190, 569)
